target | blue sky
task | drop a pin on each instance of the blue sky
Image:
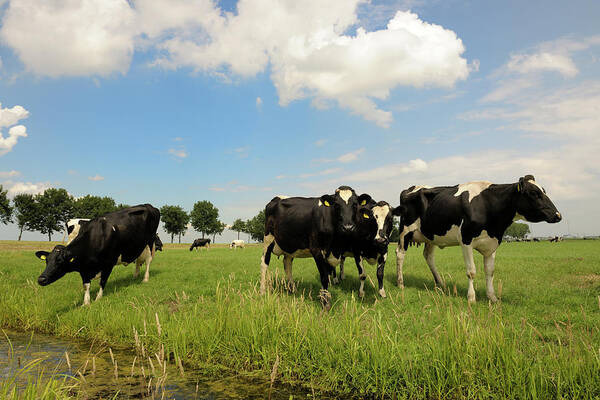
(171, 102)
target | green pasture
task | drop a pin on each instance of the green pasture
(541, 341)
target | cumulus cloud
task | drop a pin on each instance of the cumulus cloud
(308, 47)
(178, 153)
(71, 38)
(96, 178)
(15, 188)
(8, 118)
(9, 174)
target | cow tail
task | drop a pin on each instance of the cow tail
(268, 253)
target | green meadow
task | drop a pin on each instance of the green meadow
(203, 310)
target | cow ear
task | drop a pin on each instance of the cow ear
(326, 200)
(365, 213)
(42, 255)
(521, 184)
(364, 199)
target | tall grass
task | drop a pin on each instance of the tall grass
(203, 312)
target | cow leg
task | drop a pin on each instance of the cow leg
(380, 267)
(334, 278)
(400, 253)
(488, 265)
(324, 268)
(467, 250)
(428, 254)
(137, 270)
(264, 261)
(287, 266)
(361, 275)
(147, 274)
(86, 294)
(103, 278)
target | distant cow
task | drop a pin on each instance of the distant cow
(473, 215)
(556, 239)
(158, 244)
(374, 222)
(200, 243)
(301, 227)
(237, 243)
(120, 236)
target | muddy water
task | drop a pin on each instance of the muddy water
(122, 374)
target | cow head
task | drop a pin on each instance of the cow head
(413, 203)
(345, 203)
(158, 245)
(375, 223)
(58, 263)
(532, 202)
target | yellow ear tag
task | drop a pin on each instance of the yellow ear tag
(42, 257)
(72, 259)
(326, 203)
(366, 215)
(362, 203)
(518, 187)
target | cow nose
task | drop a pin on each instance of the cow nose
(348, 228)
(382, 241)
(557, 217)
(42, 280)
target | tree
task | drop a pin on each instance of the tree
(217, 228)
(204, 217)
(5, 208)
(54, 208)
(239, 226)
(175, 220)
(255, 227)
(517, 230)
(395, 234)
(93, 206)
(25, 211)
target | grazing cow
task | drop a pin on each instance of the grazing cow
(374, 223)
(237, 243)
(301, 227)
(473, 215)
(120, 236)
(556, 239)
(200, 243)
(536, 239)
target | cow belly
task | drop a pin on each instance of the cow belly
(300, 253)
(145, 255)
(450, 238)
(484, 244)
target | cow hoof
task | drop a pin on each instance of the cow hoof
(335, 281)
(493, 298)
(325, 298)
(400, 284)
(382, 293)
(361, 293)
(145, 280)
(471, 299)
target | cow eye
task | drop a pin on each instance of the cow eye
(366, 216)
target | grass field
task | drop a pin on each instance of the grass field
(542, 340)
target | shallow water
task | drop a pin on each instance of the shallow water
(102, 376)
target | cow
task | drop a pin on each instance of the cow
(200, 243)
(556, 239)
(158, 244)
(302, 227)
(474, 215)
(121, 236)
(237, 243)
(374, 222)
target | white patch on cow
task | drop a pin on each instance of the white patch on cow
(282, 196)
(113, 228)
(99, 295)
(536, 184)
(74, 223)
(345, 195)
(474, 188)
(451, 238)
(371, 261)
(333, 260)
(417, 188)
(237, 243)
(380, 213)
(320, 203)
(485, 244)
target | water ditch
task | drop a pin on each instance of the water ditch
(101, 372)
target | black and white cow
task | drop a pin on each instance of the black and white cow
(238, 243)
(472, 215)
(374, 222)
(120, 236)
(200, 243)
(158, 244)
(302, 227)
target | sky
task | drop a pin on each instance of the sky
(176, 101)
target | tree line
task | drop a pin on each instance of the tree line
(48, 212)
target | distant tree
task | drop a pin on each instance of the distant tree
(54, 208)
(5, 208)
(25, 212)
(93, 206)
(204, 217)
(175, 220)
(517, 230)
(239, 226)
(395, 234)
(255, 227)
(216, 229)
(122, 206)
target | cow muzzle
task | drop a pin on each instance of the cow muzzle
(348, 228)
(555, 218)
(43, 280)
(382, 241)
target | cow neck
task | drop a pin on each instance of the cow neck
(506, 208)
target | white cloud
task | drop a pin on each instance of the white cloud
(259, 103)
(96, 178)
(305, 45)
(71, 38)
(15, 188)
(216, 189)
(9, 117)
(510, 88)
(320, 142)
(9, 174)
(542, 61)
(351, 156)
(388, 172)
(179, 153)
